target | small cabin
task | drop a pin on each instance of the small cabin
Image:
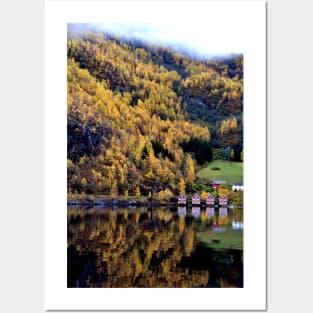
(237, 186)
(182, 199)
(223, 200)
(196, 199)
(217, 183)
(210, 200)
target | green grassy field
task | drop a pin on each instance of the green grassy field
(229, 171)
(230, 239)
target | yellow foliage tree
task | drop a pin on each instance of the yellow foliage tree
(114, 188)
(137, 192)
(204, 195)
(222, 190)
(189, 170)
(83, 182)
(182, 186)
(165, 194)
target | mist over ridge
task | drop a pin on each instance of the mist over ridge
(155, 36)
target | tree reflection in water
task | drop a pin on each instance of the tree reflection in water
(146, 248)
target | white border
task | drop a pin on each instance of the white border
(246, 20)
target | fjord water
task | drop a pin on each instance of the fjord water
(154, 247)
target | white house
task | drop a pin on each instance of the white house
(237, 186)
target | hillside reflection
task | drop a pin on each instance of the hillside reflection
(148, 248)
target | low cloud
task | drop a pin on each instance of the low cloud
(193, 42)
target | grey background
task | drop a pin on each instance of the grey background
(290, 87)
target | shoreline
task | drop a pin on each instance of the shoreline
(114, 203)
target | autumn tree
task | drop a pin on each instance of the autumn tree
(189, 171)
(182, 186)
(137, 192)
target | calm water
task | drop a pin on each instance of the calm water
(161, 247)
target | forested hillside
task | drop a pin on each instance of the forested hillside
(143, 118)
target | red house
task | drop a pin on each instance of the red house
(217, 183)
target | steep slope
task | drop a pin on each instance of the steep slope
(140, 118)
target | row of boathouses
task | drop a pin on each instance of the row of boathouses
(196, 199)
